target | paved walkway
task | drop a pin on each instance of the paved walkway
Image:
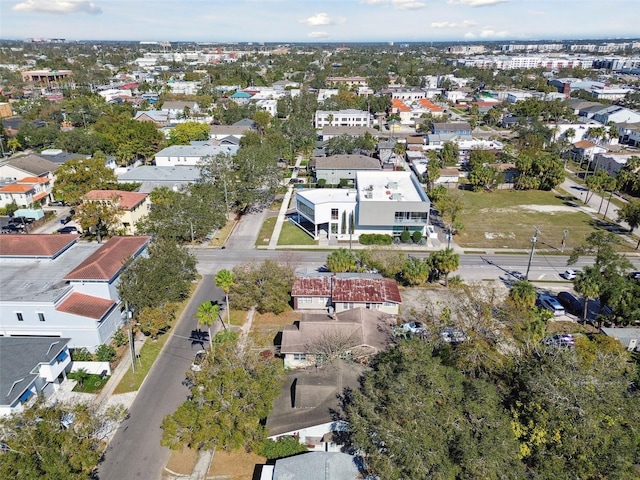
(282, 215)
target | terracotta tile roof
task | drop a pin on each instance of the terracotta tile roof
(86, 305)
(35, 245)
(16, 188)
(107, 261)
(584, 144)
(415, 140)
(312, 286)
(400, 105)
(40, 196)
(127, 200)
(33, 180)
(426, 103)
(449, 172)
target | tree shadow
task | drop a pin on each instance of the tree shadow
(198, 337)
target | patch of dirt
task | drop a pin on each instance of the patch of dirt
(182, 461)
(236, 465)
(497, 210)
(551, 209)
(492, 235)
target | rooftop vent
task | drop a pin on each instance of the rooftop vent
(393, 185)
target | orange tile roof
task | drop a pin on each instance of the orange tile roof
(34, 180)
(86, 305)
(400, 105)
(107, 261)
(127, 201)
(40, 196)
(584, 144)
(35, 245)
(426, 103)
(16, 188)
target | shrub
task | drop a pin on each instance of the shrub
(375, 239)
(284, 447)
(105, 353)
(321, 183)
(344, 182)
(405, 236)
(81, 355)
(416, 236)
(120, 338)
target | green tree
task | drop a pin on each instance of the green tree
(630, 213)
(224, 280)
(587, 283)
(164, 276)
(81, 355)
(207, 314)
(156, 320)
(523, 294)
(78, 176)
(341, 260)
(99, 216)
(416, 271)
(283, 447)
(267, 286)
(184, 133)
(414, 424)
(445, 261)
(80, 376)
(230, 398)
(38, 444)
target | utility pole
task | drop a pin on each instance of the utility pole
(564, 239)
(534, 239)
(132, 347)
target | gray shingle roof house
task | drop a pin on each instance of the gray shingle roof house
(28, 165)
(318, 466)
(336, 167)
(153, 176)
(30, 367)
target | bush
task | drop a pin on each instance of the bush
(284, 447)
(81, 355)
(105, 353)
(416, 236)
(344, 183)
(375, 239)
(120, 338)
(321, 183)
(405, 236)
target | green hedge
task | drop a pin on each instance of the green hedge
(375, 239)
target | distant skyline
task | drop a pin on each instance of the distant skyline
(320, 20)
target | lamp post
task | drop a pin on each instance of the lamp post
(534, 239)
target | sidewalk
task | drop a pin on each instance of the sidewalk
(282, 215)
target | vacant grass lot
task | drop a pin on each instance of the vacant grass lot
(293, 235)
(506, 219)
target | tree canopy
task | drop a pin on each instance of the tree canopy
(81, 175)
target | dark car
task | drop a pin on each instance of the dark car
(570, 303)
(296, 180)
(66, 219)
(58, 203)
(68, 229)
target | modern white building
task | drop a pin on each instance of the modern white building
(55, 287)
(343, 118)
(382, 202)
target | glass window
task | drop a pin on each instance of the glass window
(41, 317)
(299, 356)
(20, 317)
(334, 214)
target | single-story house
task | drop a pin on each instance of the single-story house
(158, 117)
(190, 155)
(358, 334)
(337, 167)
(153, 176)
(315, 466)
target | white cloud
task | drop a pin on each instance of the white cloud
(469, 35)
(60, 7)
(317, 19)
(476, 3)
(490, 33)
(463, 24)
(318, 35)
(407, 4)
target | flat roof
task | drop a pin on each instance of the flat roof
(328, 195)
(40, 280)
(387, 186)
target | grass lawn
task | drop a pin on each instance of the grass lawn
(293, 235)
(235, 465)
(92, 384)
(221, 235)
(506, 219)
(182, 461)
(266, 231)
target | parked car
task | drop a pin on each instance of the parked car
(569, 274)
(66, 219)
(634, 276)
(571, 303)
(296, 180)
(552, 304)
(196, 366)
(559, 340)
(58, 203)
(414, 328)
(68, 229)
(452, 335)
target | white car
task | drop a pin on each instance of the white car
(196, 366)
(414, 328)
(569, 275)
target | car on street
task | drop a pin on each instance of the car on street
(196, 365)
(559, 340)
(569, 274)
(570, 303)
(68, 229)
(294, 181)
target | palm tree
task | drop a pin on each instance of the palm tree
(341, 260)
(587, 284)
(523, 294)
(445, 261)
(208, 313)
(224, 280)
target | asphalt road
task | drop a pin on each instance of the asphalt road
(135, 450)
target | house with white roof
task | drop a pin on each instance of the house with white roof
(384, 202)
(54, 286)
(191, 155)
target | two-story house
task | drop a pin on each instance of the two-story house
(26, 191)
(132, 207)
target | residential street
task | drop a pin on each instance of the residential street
(135, 450)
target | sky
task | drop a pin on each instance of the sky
(320, 20)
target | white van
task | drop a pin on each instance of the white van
(552, 304)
